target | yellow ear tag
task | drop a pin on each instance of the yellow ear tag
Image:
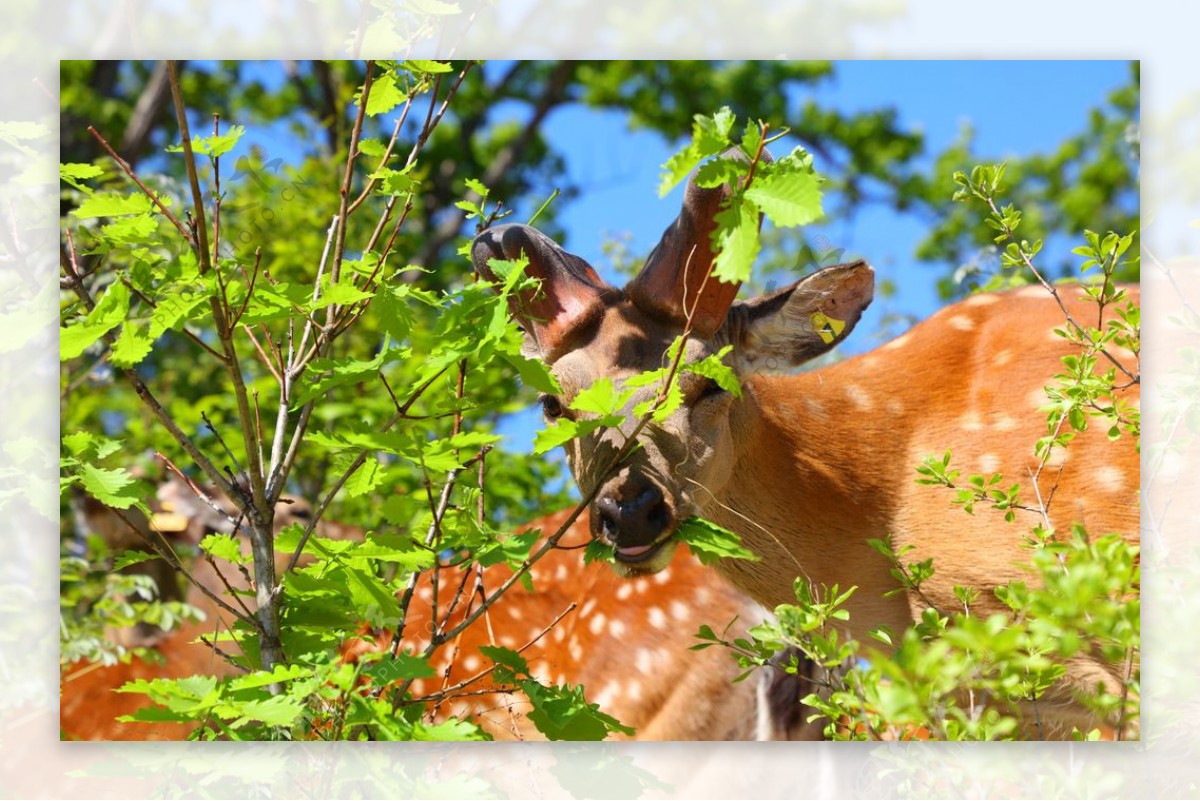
(168, 522)
(827, 328)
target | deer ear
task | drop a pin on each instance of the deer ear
(570, 291)
(787, 328)
(676, 278)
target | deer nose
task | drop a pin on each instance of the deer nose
(638, 521)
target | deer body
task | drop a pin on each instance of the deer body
(627, 643)
(806, 468)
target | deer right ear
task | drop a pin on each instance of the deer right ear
(787, 328)
(570, 292)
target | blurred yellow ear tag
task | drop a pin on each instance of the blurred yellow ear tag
(168, 521)
(827, 328)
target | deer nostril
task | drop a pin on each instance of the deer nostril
(638, 521)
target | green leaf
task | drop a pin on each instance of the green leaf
(215, 145)
(115, 488)
(74, 173)
(262, 678)
(138, 229)
(597, 551)
(507, 658)
(224, 546)
(736, 239)
(710, 135)
(395, 182)
(278, 710)
(385, 95)
(433, 67)
(400, 667)
(448, 731)
(562, 713)
(365, 479)
(564, 430)
(788, 198)
(713, 367)
(127, 558)
(108, 313)
(133, 345)
(394, 548)
(533, 373)
(374, 148)
(112, 205)
(709, 542)
(372, 598)
(343, 293)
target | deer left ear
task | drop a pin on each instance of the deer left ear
(787, 328)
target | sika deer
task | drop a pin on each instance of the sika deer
(806, 467)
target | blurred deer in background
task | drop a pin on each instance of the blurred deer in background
(806, 467)
(626, 642)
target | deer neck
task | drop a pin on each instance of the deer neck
(809, 486)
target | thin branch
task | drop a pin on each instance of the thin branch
(165, 552)
(442, 694)
(124, 165)
(71, 267)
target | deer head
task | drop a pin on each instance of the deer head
(585, 330)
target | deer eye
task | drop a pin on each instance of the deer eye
(710, 389)
(551, 406)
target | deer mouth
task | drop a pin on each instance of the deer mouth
(633, 554)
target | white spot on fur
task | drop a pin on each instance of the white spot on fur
(587, 608)
(980, 300)
(417, 687)
(814, 406)
(1110, 478)
(515, 612)
(472, 663)
(1004, 423)
(657, 617)
(643, 660)
(459, 710)
(560, 573)
(1058, 457)
(606, 695)
(961, 322)
(634, 690)
(560, 634)
(679, 610)
(703, 596)
(1037, 398)
(625, 590)
(641, 585)
(1002, 358)
(898, 342)
(596, 624)
(1032, 292)
(989, 463)
(508, 641)
(662, 576)
(970, 423)
(616, 628)
(575, 649)
(894, 406)
(541, 672)
(859, 397)
(425, 594)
